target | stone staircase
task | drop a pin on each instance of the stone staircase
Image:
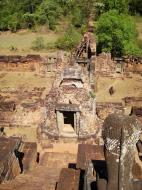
(45, 176)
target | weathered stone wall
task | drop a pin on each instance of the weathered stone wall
(104, 65)
(106, 108)
(71, 87)
(21, 112)
(133, 67)
(71, 95)
(132, 64)
(14, 112)
(132, 101)
(31, 63)
(20, 63)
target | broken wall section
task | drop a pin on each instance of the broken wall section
(16, 157)
(30, 63)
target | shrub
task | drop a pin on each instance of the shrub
(38, 44)
(13, 48)
(29, 19)
(69, 40)
(78, 18)
(132, 48)
(13, 22)
(120, 5)
(92, 94)
(117, 34)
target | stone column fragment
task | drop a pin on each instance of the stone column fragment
(120, 134)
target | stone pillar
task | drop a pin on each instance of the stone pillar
(77, 122)
(88, 177)
(101, 183)
(130, 136)
(112, 136)
(120, 134)
(94, 107)
(60, 120)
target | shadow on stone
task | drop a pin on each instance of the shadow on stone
(19, 155)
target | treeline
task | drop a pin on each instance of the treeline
(115, 29)
(133, 7)
(17, 14)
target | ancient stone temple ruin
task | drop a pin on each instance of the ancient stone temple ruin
(64, 135)
(70, 105)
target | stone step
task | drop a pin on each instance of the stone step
(57, 160)
(45, 176)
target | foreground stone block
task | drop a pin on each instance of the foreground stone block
(86, 153)
(16, 157)
(30, 154)
(120, 133)
(9, 166)
(69, 179)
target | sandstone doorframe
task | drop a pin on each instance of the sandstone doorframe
(71, 111)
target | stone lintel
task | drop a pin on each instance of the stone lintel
(67, 107)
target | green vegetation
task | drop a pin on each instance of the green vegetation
(117, 34)
(38, 44)
(135, 7)
(92, 94)
(21, 42)
(69, 40)
(120, 5)
(115, 29)
(15, 14)
(12, 48)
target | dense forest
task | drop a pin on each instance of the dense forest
(108, 14)
(16, 14)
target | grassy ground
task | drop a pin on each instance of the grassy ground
(20, 82)
(24, 80)
(123, 88)
(23, 40)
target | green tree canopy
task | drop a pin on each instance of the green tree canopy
(49, 12)
(135, 6)
(116, 34)
(121, 6)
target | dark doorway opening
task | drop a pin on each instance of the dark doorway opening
(69, 118)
